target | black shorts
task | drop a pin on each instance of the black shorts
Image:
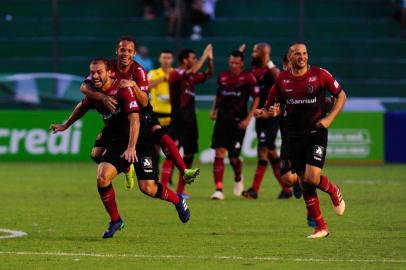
(309, 149)
(229, 136)
(145, 168)
(148, 117)
(266, 132)
(284, 157)
(185, 134)
(103, 138)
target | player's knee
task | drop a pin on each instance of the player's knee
(288, 179)
(220, 153)
(263, 153)
(103, 180)
(148, 188)
(311, 178)
(96, 159)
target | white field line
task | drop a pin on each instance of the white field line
(11, 233)
(227, 258)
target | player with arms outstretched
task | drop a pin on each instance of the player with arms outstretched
(133, 75)
(129, 143)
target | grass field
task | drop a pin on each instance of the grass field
(57, 205)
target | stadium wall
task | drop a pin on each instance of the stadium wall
(24, 136)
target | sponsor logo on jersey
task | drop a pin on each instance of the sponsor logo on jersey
(288, 90)
(230, 93)
(133, 104)
(146, 163)
(293, 101)
(286, 81)
(108, 116)
(312, 79)
(318, 151)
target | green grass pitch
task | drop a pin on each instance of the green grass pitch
(58, 206)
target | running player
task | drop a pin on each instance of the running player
(229, 109)
(265, 73)
(302, 89)
(183, 128)
(133, 75)
(128, 145)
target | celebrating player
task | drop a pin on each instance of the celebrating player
(302, 89)
(124, 147)
(183, 128)
(265, 73)
(229, 109)
(133, 75)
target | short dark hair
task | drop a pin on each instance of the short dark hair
(184, 54)
(237, 53)
(296, 43)
(166, 51)
(127, 38)
(100, 60)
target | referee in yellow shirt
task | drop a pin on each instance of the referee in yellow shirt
(159, 88)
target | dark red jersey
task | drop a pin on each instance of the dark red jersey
(265, 81)
(182, 94)
(233, 93)
(136, 73)
(304, 97)
(117, 121)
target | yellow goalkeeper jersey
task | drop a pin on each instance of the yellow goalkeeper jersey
(160, 99)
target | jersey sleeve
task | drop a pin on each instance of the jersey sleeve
(174, 76)
(330, 83)
(141, 78)
(86, 103)
(128, 100)
(274, 96)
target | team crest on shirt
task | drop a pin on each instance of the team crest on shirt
(146, 163)
(237, 145)
(310, 89)
(318, 151)
(312, 79)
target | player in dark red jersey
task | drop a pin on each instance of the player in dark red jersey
(128, 144)
(265, 73)
(183, 127)
(133, 75)
(235, 86)
(302, 90)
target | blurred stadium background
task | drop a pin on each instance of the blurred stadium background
(46, 47)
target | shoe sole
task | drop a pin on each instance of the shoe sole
(192, 179)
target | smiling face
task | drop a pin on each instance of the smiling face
(99, 73)
(298, 56)
(125, 53)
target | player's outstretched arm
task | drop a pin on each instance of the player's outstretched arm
(130, 153)
(337, 107)
(77, 113)
(208, 51)
(90, 91)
